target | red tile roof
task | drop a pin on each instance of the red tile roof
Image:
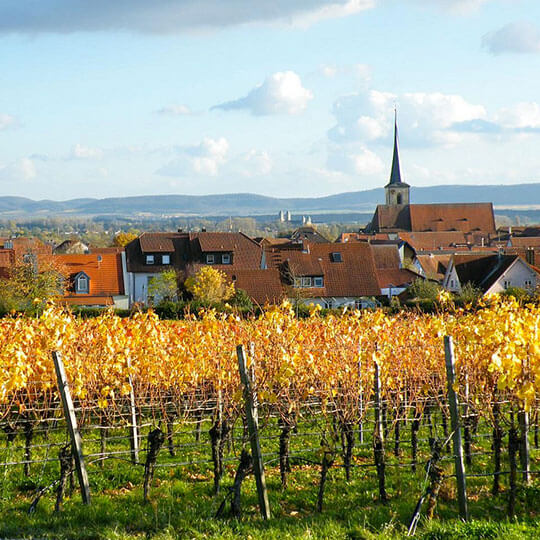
(464, 217)
(104, 271)
(395, 277)
(524, 241)
(263, 286)
(386, 256)
(427, 241)
(354, 276)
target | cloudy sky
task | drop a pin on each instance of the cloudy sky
(282, 97)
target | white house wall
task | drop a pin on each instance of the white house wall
(518, 274)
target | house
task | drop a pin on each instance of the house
(185, 253)
(491, 273)
(392, 277)
(328, 274)
(72, 246)
(398, 214)
(95, 280)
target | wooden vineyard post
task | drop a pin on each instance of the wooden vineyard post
(74, 434)
(253, 427)
(524, 451)
(133, 429)
(456, 428)
(378, 435)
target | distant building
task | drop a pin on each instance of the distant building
(398, 214)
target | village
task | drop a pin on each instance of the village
(455, 246)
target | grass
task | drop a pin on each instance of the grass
(182, 504)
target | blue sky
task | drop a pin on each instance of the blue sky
(286, 98)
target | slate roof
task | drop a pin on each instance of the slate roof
(482, 271)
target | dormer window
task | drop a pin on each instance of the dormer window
(149, 259)
(336, 257)
(226, 258)
(82, 283)
(165, 259)
(210, 259)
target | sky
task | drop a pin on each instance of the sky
(282, 98)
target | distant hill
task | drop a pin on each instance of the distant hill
(241, 204)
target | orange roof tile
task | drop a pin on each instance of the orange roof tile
(104, 271)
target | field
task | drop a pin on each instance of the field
(353, 420)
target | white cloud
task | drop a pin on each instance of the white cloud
(460, 7)
(22, 169)
(176, 110)
(359, 71)
(167, 16)
(280, 93)
(6, 121)
(519, 38)
(80, 151)
(360, 161)
(203, 159)
(252, 163)
(520, 116)
(427, 118)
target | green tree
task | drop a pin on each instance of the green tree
(163, 287)
(424, 289)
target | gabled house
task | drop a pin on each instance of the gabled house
(328, 274)
(185, 253)
(489, 273)
(94, 280)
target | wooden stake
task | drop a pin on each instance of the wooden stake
(75, 436)
(456, 427)
(253, 427)
(133, 429)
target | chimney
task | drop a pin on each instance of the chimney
(180, 230)
(203, 229)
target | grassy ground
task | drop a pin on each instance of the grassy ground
(183, 505)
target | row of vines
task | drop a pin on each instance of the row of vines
(314, 385)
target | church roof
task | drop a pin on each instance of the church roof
(395, 173)
(464, 217)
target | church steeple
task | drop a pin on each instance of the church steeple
(397, 191)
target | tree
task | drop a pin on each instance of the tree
(163, 287)
(30, 286)
(424, 289)
(210, 286)
(122, 239)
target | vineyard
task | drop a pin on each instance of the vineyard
(364, 396)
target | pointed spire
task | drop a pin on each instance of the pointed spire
(395, 175)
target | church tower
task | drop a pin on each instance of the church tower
(397, 192)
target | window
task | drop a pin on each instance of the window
(306, 281)
(528, 284)
(8, 244)
(318, 281)
(452, 283)
(149, 259)
(336, 257)
(226, 258)
(297, 282)
(165, 259)
(82, 284)
(399, 198)
(506, 283)
(210, 258)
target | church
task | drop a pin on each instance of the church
(399, 215)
